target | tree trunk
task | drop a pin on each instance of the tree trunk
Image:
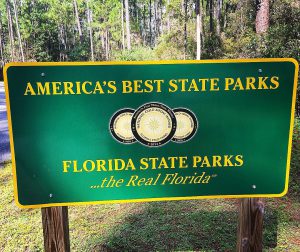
(250, 225)
(78, 20)
(161, 16)
(150, 22)
(1, 41)
(298, 105)
(74, 31)
(18, 30)
(185, 28)
(207, 7)
(211, 12)
(123, 33)
(225, 15)
(198, 9)
(103, 43)
(10, 32)
(89, 19)
(106, 45)
(262, 17)
(63, 42)
(65, 29)
(168, 19)
(127, 25)
(135, 11)
(144, 25)
(157, 18)
(218, 18)
(155, 21)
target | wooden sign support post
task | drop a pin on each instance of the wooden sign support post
(250, 225)
(56, 229)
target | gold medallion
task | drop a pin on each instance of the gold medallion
(120, 126)
(186, 125)
(153, 124)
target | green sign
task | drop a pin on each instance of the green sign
(145, 131)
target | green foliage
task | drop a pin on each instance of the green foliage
(239, 38)
(295, 160)
(283, 38)
(79, 53)
(213, 47)
(39, 24)
(170, 46)
(106, 28)
(49, 30)
(135, 54)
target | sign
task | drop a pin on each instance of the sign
(104, 132)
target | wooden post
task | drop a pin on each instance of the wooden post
(250, 225)
(56, 229)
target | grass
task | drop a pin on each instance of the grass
(203, 225)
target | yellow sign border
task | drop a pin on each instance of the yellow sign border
(295, 62)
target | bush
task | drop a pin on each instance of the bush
(283, 38)
(135, 54)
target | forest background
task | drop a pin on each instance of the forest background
(98, 30)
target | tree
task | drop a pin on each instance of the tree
(185, 6)
(168, 17)
(18, 30)
(198, 10)
(218, 16)
(1, 41)
(262, 16)
(150, 22)
(127, 25)
(89, 19)
(61, 30)
(211, 11)
(10, 32)
(78, 20)
(122, 20)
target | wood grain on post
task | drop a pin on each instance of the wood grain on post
(250, 225)
(56, 229)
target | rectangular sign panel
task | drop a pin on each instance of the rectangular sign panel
(144, 131)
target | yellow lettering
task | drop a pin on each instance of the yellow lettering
(68, 87)
(98, 88)
(214, 84)
(173, 86)
(239, 159)
(275, 81)
(127, 87)
(238, 84)
(262, 83)
(41, 90)
(56, 88)
(29, 89)
(111, 85)
(66, 165)
(84, 87)
(228, 82)
(250, 81)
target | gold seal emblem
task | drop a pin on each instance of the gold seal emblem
(186, 125)
(120, 126)
(153, 124)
